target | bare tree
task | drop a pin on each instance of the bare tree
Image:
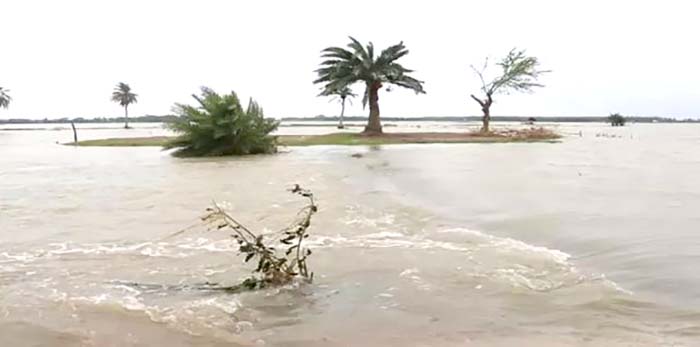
(519, 74)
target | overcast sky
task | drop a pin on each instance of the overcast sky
(62, 58)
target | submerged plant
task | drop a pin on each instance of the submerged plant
(274, 266)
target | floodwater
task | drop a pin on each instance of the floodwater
(594, 241)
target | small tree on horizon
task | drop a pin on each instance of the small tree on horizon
(123, 96)
(343, 67)
(5, 98)
(519, 74)
(342, 94)
(617, 120)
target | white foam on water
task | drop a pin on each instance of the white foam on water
(228, 304)
(147, 249)
(384, 220)
(491, 258)
(381, 240)
(97, 248)
(527, 266)
(384, 235)
(508, 244)
(210, 245)
(24, 257)
(413, 274)
(504, 260)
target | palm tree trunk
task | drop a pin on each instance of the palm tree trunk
(126, 116)
(342, 113)
(374, 125)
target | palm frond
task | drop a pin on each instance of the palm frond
(337, 52)
(392, 53)
(359, 50)
(341, 68)
(123, 96)
(341, 93)
(5, 98)
(411, 83)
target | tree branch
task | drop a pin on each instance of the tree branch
(477, 100)
(481, 74)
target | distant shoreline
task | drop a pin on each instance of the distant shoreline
(324, 119)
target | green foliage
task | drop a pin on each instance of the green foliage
(273, 268)
(219, 126)
(4, 98)
(123, 96)
(342, 94)
(617, 119)
(519, 73)
(343, 67)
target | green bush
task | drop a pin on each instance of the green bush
(219, 126)
(617, 120)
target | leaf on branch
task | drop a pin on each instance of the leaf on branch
(519, 73)
(249, 257)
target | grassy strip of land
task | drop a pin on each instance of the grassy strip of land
(349, 139)
(154, 141)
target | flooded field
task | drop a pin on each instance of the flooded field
(589, 242)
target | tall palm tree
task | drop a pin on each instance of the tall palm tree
(4, 98)
(343, 94)
(122, 94)
(343, 67)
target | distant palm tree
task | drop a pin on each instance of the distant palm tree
(4, 98)
(342, 67)
(342, 94)
(122, 94)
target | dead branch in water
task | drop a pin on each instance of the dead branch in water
(75, 134)
(273, 269)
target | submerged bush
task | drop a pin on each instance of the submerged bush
(280, 257)
(219, 126)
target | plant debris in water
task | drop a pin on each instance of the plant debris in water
(276, 266)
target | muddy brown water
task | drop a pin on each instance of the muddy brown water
(590, 242)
